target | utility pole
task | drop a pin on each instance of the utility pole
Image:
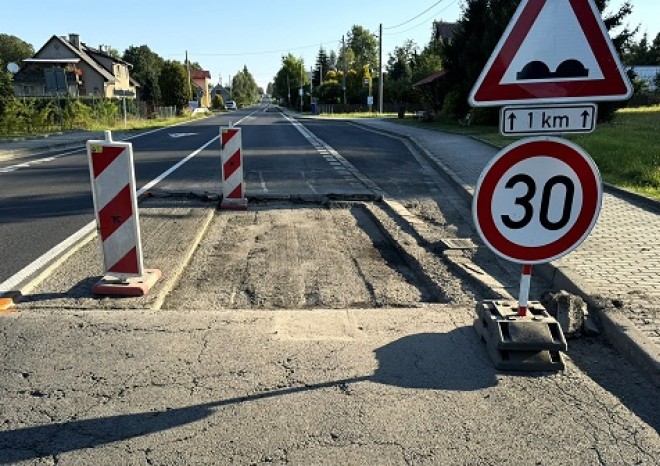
(189, 81)
(343, 78)
(302, 83)
(380, 69)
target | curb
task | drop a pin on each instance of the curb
(618, 329)
(45, 149)
(168, 285)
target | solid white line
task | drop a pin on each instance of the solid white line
(31, 269)
(173, 168)
(11, 283)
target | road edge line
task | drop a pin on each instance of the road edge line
(34, 273)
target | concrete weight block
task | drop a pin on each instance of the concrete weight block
(532, 342)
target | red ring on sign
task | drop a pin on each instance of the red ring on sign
(589, 180)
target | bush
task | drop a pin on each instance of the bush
(106, 112)
(218, 102)
(77, 115)
(487, 116)
(450, 107)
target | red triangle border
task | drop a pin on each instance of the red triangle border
(614, 86)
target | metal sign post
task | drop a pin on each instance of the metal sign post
(539, 198)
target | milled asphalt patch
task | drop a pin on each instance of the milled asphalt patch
(170, 230)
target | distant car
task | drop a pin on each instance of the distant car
(230, 105)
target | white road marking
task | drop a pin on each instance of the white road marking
(49, 256)
(263, 182)
(302, 173)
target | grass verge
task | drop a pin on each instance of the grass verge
(131, 125)
(626, 150)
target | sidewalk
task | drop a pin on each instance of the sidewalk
(617, 268)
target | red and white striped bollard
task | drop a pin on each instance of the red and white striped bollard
(231, 154)
(115, 205)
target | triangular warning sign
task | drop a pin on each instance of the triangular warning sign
(552, 51)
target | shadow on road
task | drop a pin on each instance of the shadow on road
(432, 361)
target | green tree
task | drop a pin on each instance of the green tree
(244, 88)
(655, 50)
(217, 102)
(322, 66)
(364, 45)
(332, 60)
(615, 20)
(402, 60)
(288, 80)
(174, 85)
(329, 92)
(113, 52)
(477, 32)
(6, 87)
(12, 50)
(147, 66)
(643, 53)
(430, 61)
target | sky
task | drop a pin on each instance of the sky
(223, 36)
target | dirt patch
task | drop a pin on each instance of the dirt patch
(283, 256)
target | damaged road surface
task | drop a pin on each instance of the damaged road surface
(283, 256)
(319, 332)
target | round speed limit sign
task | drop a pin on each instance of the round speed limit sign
(537, 200)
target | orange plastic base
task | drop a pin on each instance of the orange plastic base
(134, 286)
(8, 300)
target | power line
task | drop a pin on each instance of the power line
(415, 17)
(424, 22)
(265, 52)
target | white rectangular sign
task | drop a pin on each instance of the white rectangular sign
(547, 119)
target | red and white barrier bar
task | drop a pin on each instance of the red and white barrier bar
(525, 283)
(115, 204)
(233, 185)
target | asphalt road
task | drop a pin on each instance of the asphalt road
(42, 204)
(299, 333)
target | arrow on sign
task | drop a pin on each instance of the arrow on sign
(512, 120)
(585, 118)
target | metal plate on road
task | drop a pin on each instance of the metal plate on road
(537, 200)
(547, 119)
